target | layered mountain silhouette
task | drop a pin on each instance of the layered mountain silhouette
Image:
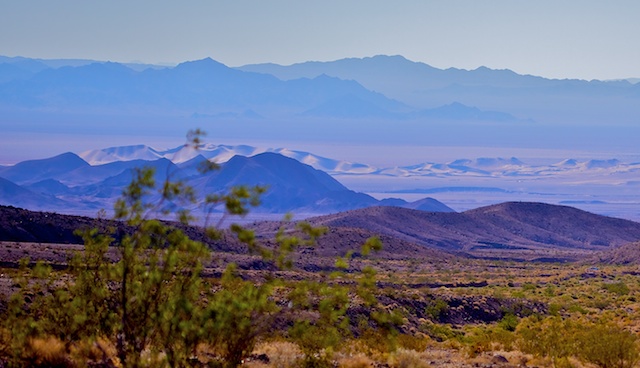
(379, 99)
(207, 89)
(203, 87)
(528, 97)
(458, 111)
(16, 195)
(69, 184)
(35, 170)
(396, 73)
(291, 185)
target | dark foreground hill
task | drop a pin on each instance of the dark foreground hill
(507, 230)
(561, 226)
(513, 230)
(23, 226)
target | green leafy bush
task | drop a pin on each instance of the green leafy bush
(509, 322)
(618, 288)
(437, 309)
(609, 346)
(602, 343)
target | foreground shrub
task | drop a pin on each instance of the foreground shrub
(235, 316)
(608, 346)
(489, 338)
(550, 337)
(602, 343)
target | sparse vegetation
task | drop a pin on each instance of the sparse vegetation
(153, 303)
(153, 296)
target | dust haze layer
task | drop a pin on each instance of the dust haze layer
(382, 111)
(382, 100)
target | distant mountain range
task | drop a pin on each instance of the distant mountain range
(203, 87)
(488, 166)
(379, 88)
(423, 86)
(69, 184)
(218, 153)
(33, 66)
(479, 167)
(92, 180)
(385, 100)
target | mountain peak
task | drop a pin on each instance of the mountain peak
(69, 159)
(36, 170)
(205, 65)
(391, 58)
(121, 153)
(292, 185)
(102, 67)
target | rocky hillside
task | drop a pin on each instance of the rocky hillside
(512, 230)
(627, 254)
(23, 226)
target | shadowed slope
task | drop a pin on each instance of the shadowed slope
(514, 229)
(623, 255)
(19, 225)
(291, 184)
(558, 225)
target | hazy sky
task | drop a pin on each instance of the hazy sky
(558, 38)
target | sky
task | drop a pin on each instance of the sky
(586, 39)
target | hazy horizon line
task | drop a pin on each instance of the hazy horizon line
(172, 64)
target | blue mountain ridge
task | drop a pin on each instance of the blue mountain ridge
(525, 96)
(202, 86)
(15, 195)
(202, 89)
(76, 187)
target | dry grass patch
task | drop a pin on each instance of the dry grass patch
(47, 352)
(282, 354)
(356, 361)
(97, 353)
(403, 358)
